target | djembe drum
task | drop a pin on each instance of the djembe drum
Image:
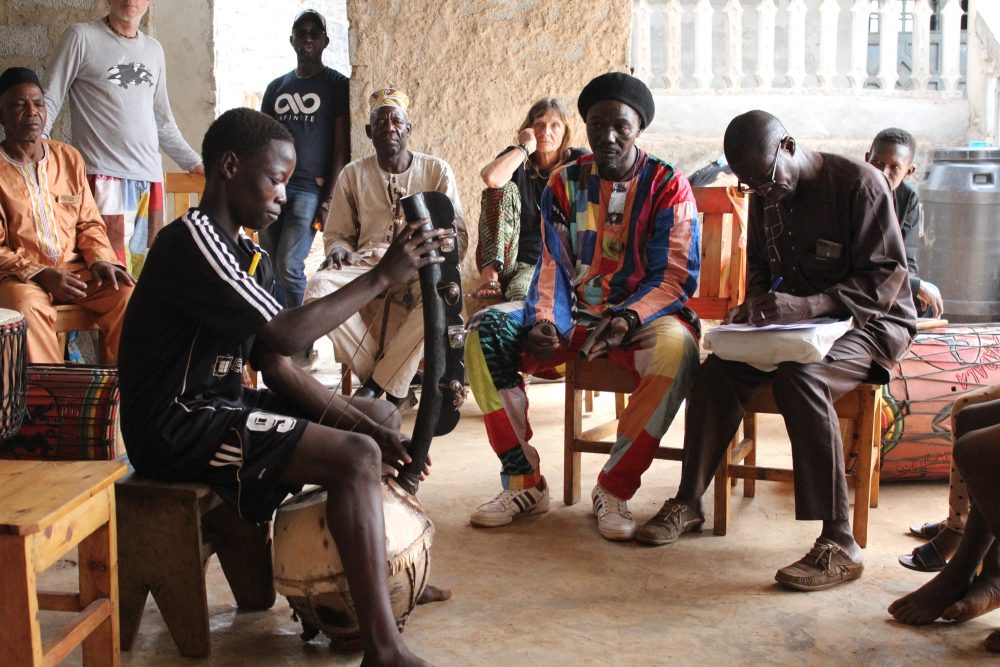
(309, 572)
(943, 364)
(13, 371)
(71, 413)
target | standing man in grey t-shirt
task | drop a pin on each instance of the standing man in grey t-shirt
(115, 77)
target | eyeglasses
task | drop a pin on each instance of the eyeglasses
(302, 33)
(748, 190)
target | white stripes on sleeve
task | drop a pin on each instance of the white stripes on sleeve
(218, 256)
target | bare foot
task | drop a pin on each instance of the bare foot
(983, 596)
(992, 642)
(434, 594)
(927, 603)
(489, 290)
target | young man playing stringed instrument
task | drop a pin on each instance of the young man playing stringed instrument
(205, 305)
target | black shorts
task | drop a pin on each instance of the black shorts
(253, 455)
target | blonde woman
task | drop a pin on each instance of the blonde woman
(510, 222)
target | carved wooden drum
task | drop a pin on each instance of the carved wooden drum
(13, 371)
(943, 364)
(309, 572)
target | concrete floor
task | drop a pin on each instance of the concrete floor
(550, 590)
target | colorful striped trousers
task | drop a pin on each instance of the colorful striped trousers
(663, 357)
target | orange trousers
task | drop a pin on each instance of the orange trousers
(32, 301)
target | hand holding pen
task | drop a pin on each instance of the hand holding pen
(761, 306)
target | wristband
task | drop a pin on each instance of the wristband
(632, 318)
(524, 149)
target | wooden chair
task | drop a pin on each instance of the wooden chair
(723, 267)
(861, 431)
(721, 288)
(70, 317)
(181, 191)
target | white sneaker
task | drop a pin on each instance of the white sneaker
(614, 521)
(510, 505)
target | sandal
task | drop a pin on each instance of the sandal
(927, 531)
(491, 289)
(925, 558)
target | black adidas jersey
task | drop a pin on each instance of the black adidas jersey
(188, 330)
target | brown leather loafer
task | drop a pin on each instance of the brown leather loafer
(825, 566)
(673, 520)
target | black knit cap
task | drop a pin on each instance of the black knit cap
(14, 76)
(621, 87)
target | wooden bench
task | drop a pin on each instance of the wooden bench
(721, 287)
(46, 509)
(167, 533)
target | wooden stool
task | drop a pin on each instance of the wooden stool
(168, 533)
(46, 509)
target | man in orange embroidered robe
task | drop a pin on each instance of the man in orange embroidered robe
(54, 247)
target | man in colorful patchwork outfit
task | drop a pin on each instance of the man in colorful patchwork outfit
(620, 257)
(115, 78)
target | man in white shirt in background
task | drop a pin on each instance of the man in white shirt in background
(115, 78)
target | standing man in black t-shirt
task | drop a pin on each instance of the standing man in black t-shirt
(203, 308)
(312, 102)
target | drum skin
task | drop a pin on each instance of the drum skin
(943, 364)
(309, 572)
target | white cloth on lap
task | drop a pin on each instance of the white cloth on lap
(767, 346)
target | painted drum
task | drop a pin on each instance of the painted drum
(309, 572)
(13, 371)
(943, 364)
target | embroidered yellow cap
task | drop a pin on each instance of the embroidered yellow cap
(388, 97)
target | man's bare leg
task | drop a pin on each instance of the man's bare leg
(978, 459)
(347, 465)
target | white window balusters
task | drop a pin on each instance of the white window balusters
(921, 51)
(889, 14)
(764, 75)
(951, 44)
(733, 72)
(703, 73)
(673, 16)
(826, 70)
(641, 28)
(858, 69)
(796, 72)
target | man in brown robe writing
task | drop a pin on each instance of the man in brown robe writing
(823, 242)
